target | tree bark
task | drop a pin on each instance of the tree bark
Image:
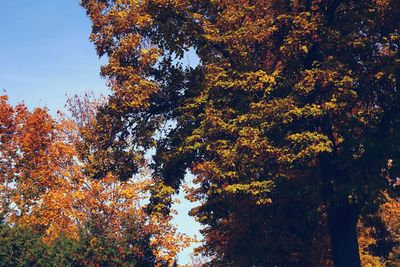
(342, 215)
(342, 220)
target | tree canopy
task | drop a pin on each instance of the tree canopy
(289, 124)
(293, 103)
(48, 200)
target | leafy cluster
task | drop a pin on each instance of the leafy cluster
(48, 198)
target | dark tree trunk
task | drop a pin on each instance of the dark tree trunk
(342, 215)
(342, 220)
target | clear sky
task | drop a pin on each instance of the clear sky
(45, 54)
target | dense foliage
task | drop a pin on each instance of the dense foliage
(290, 122)
(22, 247)
(46, 197)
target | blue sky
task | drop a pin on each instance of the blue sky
(45, 55)
(45, 52)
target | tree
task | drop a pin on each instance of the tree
(20, 246)
(302, 91)
(46, 190)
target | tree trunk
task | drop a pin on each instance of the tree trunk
(342, 215)
(342, 220)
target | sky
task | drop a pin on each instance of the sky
(46, 56)
(45, 52)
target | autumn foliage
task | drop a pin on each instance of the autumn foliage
(289, 122)
(289, 125)
(44, 188)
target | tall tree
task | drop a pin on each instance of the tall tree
(286, 91)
